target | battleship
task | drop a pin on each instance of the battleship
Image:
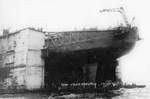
(88, 55)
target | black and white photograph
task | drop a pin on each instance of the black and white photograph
(74, 49)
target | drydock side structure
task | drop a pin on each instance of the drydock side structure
(21, 65)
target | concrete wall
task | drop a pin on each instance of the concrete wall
(20, 58)
(35, 64)
(7, 54)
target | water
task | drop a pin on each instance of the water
(135, 93)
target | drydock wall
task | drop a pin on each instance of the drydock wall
(21, 65)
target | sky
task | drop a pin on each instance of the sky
(63, 15)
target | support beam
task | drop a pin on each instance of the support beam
(106, 70)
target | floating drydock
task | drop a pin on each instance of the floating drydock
(33, 59)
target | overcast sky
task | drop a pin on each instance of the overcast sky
(58, 15)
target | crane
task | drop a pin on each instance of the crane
(120, 10)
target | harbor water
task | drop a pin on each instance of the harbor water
(122, 93)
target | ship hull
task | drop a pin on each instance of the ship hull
(68, 62)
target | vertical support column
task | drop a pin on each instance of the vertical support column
(106, 70)
(99, 73)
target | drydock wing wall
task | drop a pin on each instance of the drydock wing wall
(21, 65)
